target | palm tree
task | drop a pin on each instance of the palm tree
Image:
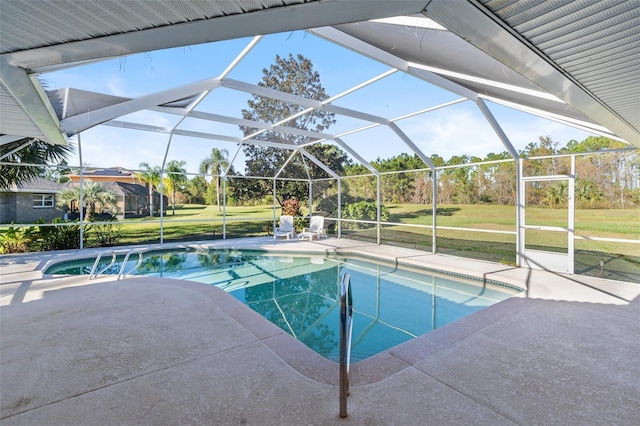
(28, 151)
(587, 191)
(557, 195)
(176, 178)
(217, 162)
(151, 176)
(92, 193)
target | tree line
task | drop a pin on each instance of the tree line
(603, 180)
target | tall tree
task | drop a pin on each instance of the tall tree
(151, 176)
(216, 163)
(28, 151)
(176, 180)
(296, 76)
(196, 187)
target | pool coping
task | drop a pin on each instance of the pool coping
(343, 252)
(303, 359)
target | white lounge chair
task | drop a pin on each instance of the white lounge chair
(285, 229)
(315, 229)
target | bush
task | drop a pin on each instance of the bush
(292, 207)
(59, 237)
(330, 204)
(363, 210)
(107, 232)
(17, 240)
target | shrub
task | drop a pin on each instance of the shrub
(17, 240)
(59, 237)
(363, 210)
(292, 207)
(330, 204)
(107, 231)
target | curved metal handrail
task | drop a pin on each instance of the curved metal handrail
(93, 274)
(346, 325)
(123, 274)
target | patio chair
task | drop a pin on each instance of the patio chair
(315, 229)
(285, 229)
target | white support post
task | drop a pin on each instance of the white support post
(161, 201)
(274, 207)
(434, 203)
(224, 206)
(80, 196)
(164, 163)
(310, 199)
(340, 208)
(520, 200)
(379, 210)
(572, 216)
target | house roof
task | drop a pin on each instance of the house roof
(132, 188)
(38, 185)
(115, 172)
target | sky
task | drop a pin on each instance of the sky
(455, 130)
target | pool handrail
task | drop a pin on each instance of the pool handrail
(93, 274)
(346, 325)
(123, 274)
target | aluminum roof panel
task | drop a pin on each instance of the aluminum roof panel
(577, 38)
(28, 24)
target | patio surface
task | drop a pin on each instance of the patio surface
(157, 351)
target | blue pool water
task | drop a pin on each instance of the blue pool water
(300, 294)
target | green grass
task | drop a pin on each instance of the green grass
(198, 222)
(603, 259)
(603, 223)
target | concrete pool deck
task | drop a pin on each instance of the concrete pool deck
(156, 351)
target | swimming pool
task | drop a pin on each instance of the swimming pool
(299, 293)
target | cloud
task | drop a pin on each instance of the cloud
(452, 132)
(458, 131)
(115, 85)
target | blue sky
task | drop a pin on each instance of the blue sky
(455, 130)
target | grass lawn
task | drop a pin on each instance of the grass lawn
(604, 259)
(198, 222)
(623, 224)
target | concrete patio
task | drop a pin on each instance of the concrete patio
(158, 351)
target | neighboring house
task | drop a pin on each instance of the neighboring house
(106, 176)
(132, 196)
(29, 201)
(133, 199)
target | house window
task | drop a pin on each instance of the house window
(41, 201)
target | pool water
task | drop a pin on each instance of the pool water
(300, 294)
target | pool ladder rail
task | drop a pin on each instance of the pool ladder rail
(121, 274)
(346, 326)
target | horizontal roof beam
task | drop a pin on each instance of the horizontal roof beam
(77, 123)
(338, 37)
(248, 24)
(488, 33)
